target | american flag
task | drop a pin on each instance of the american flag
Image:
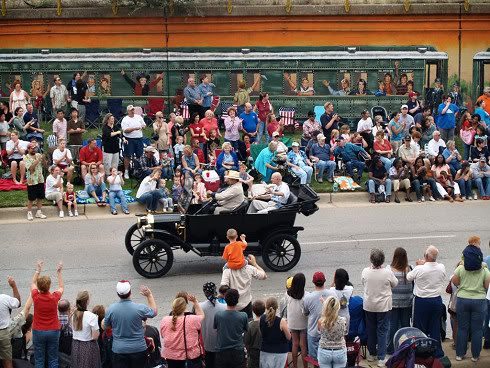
(215, 102)
(287, 115)
(185, 110)
(224, 109)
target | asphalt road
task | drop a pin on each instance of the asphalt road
(342, 236)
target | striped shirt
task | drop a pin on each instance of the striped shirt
(403, 292)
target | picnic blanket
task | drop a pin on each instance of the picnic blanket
(6, 185)
(346, 183)
(83, 197)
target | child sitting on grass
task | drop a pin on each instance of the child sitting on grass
(233, 253)
(70, 200)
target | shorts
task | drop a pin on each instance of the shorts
(18, 160)
(133, 147)
(35, 192)
(54, 196)
(5, 345)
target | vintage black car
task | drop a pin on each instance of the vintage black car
(153, 239)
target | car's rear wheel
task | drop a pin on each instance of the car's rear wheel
(133, 238)
(281, 252)
(153, 258)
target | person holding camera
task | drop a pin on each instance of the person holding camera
(400, 177)
(116, 181)
(329, 120)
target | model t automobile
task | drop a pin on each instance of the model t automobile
(154, 238)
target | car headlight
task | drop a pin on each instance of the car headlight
(146, 228)
(150, 219)
(142, 221)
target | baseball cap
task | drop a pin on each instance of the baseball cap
(150, 149)
(295, 144)
(404, 107)
(483, 159)
(318, 277)
(129, 108)
(437, 80)
(408, 137)
(320, 136)
(275, 134)
(123, 287)
(412, 94)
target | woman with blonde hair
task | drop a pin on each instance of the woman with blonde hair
(332, 351)
(180, 334)
(85, 324)
(275, 336)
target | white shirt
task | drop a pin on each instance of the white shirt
(7, 302)
(429, 279)
(146, 186)
(135, 122)
(116, 183)
(363, 125)
(90, 323)
(16, 155)
(284, 189)
(57, 155)
(378, 283)
(50, 182)
(241, 280)
(433, 146)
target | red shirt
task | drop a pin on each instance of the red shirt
(45, 310)
(208, 125)
(198, 129)
(89, 156)
(385, 146)
(263, 109)
(272, 127)
(200, 154)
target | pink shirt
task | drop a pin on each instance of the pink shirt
(59, 128)
(173, 341)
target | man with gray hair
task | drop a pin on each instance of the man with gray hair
(193, 98)
(429, 279)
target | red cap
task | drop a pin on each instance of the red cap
(318, 277)
(412, 94)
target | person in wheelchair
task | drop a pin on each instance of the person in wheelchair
(277, 196)
(231, 197)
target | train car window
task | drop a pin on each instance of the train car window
(272, 82)
(298, 84)
(430, 73)
(254, 80)
(236, 78)
(221, 80)
(324, 79)
(486, 75)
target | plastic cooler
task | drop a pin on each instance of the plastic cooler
(211, 180)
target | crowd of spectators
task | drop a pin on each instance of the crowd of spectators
(231, 327)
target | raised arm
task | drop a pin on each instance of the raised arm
(15, 290)
(61, 286)
(197, 307)
(150, 300)
(39, 268)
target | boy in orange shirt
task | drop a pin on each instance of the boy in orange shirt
(233, 253)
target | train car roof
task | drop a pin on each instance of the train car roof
(485, 55)
(222, 56)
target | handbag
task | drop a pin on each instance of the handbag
(197, 362)
(467, 136)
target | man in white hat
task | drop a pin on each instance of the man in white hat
(126, 320)
(320, 155)
(149, 162)
(231, 197)
(132, 126)
(406, 118)
(276, 198)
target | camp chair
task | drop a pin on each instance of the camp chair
(92, 114)
(115, 107)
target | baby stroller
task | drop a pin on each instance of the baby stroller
(413, 347)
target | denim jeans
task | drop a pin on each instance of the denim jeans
(483, 185)
(98, 189)
(167, 202)
(466, 151)
(386, 162)
(313, 342)
(427, 318)
(113, 194)
(447, 134)
(373, 186)
(464, 187)
(487, 328)
(417, 188)
(130, 360)
(46, 345)
(471, 315)
(355, 164)
(150, 199)
(399, 318)
(304, 173)
(167, 172)
(262, 132)
(332, 358)
(273, 360)
(377, 327)
(322, 165)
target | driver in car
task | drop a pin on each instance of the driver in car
(277, 196)
(232, 196)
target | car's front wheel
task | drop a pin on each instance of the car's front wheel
(153, 258)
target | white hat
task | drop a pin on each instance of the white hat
(130, 107)
(123, 287)
(404, 107)
(276, 134)
(320, 137)
(150, 149)
(295, 144)
(232, 174)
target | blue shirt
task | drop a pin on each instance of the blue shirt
(448, 119)
(204, 89)
(125, 318)
(249, 121)
(323, 153)
(295, 159)
(349, 151)
(192, 94)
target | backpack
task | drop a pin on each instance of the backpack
(66, 338)
(473, 258)
(343, 302)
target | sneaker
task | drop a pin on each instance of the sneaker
(382, 363)
(29, 216)
(70, 214)
(432, 199)
(422, 199)
(458, 358)
(370, 358)
(76, 213)
(40, 215)
(474, 360)
(475, 196)
(126, 175)
(62, 214)
(469, 198)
